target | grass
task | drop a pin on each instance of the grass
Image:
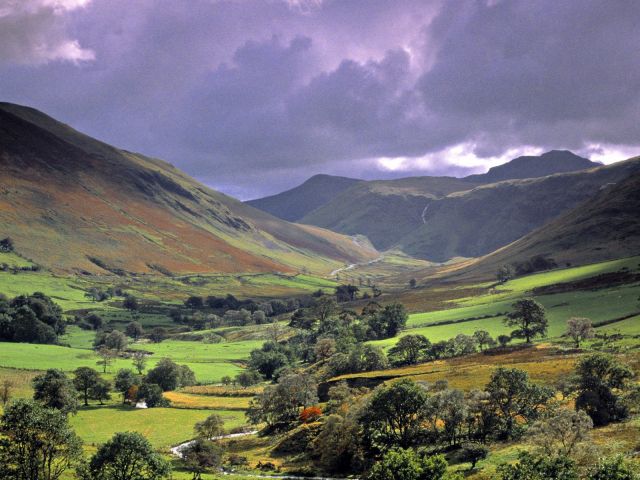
(14, 260)
(41, 357)
(188, 400)
(520, 286)
(198, 352)
(209, 365)
(163, 427)
(455, 314)
(65, 291)
(20, 381)
(483, 311)
(76, 337)
(543, 363)
(223, 391)
(630, 326)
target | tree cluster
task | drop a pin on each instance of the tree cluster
(30, 319)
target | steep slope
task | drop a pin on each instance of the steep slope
(555, 161)
(481, 220)
(386, 210)
(605, 227)
(73, 203)
(294, 204)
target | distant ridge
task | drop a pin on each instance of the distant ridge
(301, 201)
(554, 161)
(293, 204)
(439, 218)
(478, 221)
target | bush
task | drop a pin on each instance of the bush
(152, 395)
(310, 414)
(613, 469)
(473, 452)
(401, 464)
(543, 467)
(6, 245)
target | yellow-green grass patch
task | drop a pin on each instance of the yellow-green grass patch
(163, 427)
(187, 400)
(207, 368)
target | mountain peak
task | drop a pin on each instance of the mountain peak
(532, 166)
(297, 202)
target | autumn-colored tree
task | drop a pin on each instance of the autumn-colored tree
(310, 414)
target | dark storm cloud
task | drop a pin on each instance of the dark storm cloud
(539, 73)
(255, 96)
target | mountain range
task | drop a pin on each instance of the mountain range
(442, 218)
(74, 204)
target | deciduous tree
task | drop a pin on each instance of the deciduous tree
(134, 330)
(139, 360)
(513, 396)
(210, 428)
(600, 376)
(39, 444)
(394, 415)
(201, 456)
(55, 390)
(84, 380)
(124, 380)
(410, 349)
(127, 456)
(580, 329)
(530, 319)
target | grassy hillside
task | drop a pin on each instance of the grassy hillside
(74, 204)
(606, 226)
(485, 309)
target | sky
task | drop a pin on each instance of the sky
(254, 96)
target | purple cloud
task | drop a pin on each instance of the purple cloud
(254, 96)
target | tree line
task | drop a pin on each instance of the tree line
(417, 428)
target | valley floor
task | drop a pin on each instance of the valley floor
(446, 312)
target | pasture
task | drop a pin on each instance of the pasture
(164, 427)
(486, 312)
(208, 364)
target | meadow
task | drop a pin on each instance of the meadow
(486, 312)
(481, 306)
(164, 427)
(208, 364)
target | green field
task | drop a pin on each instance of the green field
(76, 337)
(208, 364)
(66, 292)
(14, 260)
(598, 305)
(164, 427)
(196, 352)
